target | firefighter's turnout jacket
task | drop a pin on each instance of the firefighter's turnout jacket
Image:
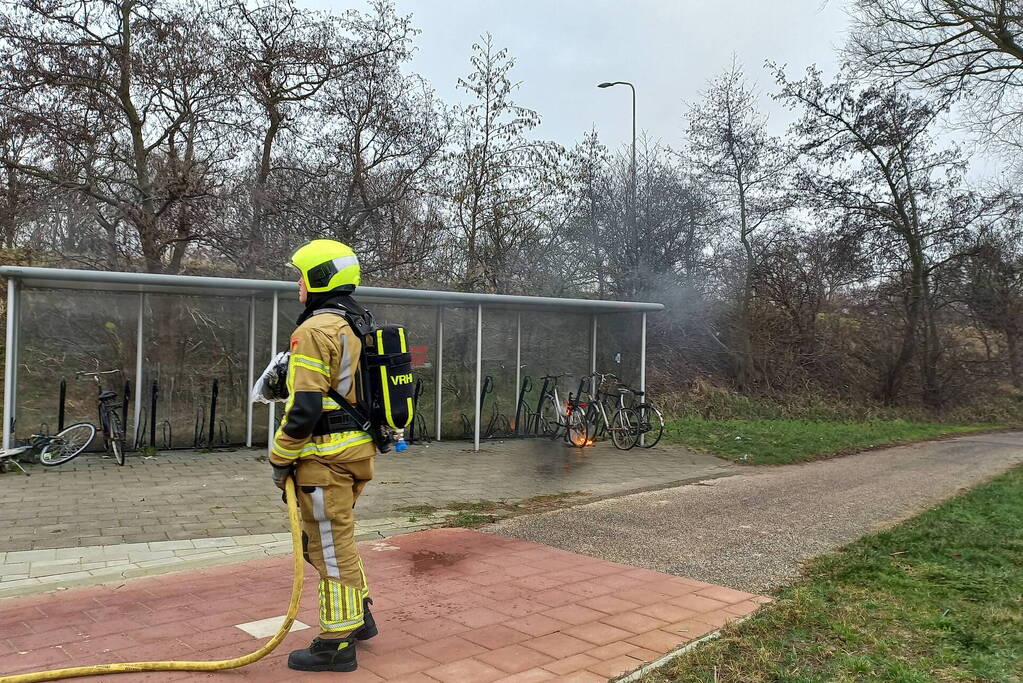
(330, 469)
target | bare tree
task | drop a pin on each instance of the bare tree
(18, 193)
(591, 189)
(305, 76)
(500, 181)
(798, 274)
(872, 162)
(124, 100)
(993, 275)
(744, 166)
(958, 49)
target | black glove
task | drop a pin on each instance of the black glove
(281, 474)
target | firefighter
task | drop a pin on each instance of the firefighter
(330, 457)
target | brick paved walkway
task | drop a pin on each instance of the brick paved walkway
(453, 606)
(189, 495)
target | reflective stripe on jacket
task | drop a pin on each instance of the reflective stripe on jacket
(324, 353)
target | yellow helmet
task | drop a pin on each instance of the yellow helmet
(327, 265)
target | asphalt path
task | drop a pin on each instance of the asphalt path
(752, 530)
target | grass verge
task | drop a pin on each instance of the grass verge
(777, 442)
(939, 597)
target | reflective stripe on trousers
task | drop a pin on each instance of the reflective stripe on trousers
(327, 494)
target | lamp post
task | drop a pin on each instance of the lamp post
(635, 230)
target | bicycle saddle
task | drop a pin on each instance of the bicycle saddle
(107, 395)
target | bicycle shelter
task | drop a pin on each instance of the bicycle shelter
(188, 342)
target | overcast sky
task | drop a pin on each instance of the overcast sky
(667, 48)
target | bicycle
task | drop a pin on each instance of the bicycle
(650, 420)
(109, 419)
(623, 424)
(53, 449)
(548, 420)
(576, 428)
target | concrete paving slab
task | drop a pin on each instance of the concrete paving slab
(179, 497)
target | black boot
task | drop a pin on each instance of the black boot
(369, 627)
(325, 655)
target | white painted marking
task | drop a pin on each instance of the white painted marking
(381, 546)
(264, 628)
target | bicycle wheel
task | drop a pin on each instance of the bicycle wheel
(625, 429)
(577, 432)
(550, 418)
(651, 424)
(116, 437)
(591, 419)
(67, 444)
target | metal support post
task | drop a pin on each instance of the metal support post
(252, 370)
(479, 375)
(439, 372)
(642, 356)
(10, 359)
(518, 363)
(271, 412)
(139, 355)
(642, 368)
(593, 343)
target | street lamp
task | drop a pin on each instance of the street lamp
(635, 231)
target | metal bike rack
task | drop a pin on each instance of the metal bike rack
(214, 393)
(199, 434)
(125, 397)
(520, 405)
(62, 404)
(154, 397)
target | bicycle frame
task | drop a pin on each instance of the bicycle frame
(105, 407)
(599, 399)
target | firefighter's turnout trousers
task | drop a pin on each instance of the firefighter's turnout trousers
(331, 469)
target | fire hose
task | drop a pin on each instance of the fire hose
(218, 665)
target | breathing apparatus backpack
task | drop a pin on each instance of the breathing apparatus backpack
(385, 387)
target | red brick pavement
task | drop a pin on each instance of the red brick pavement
(452, 606)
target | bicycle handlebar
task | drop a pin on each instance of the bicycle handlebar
(83, 373)
(604, 376)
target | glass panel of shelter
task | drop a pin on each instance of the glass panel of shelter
(499, 393)
(458, 378)
(62, 332)
(618, 346)
(197, 347)
(554, 343)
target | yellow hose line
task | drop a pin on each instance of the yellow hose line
(296, 594)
